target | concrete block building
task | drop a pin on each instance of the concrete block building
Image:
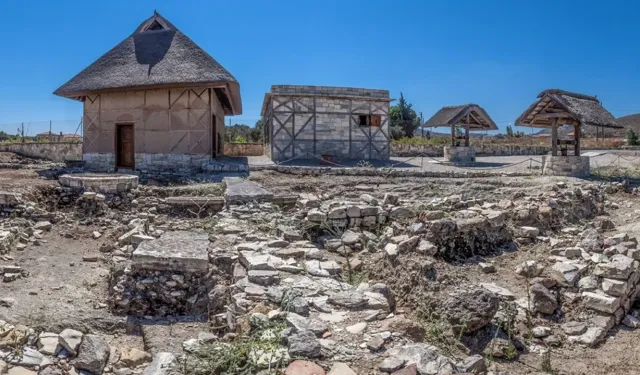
(154, 103)
(319, 122)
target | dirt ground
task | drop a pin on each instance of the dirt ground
(63, 291)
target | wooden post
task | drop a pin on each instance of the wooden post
(554, 137)
(576, 136)
(466, 136)
(453, 136)
(50, 137)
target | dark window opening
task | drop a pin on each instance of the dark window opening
(155, 25)
(369, 120)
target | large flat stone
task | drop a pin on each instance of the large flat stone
(241, 191)
(174, 251)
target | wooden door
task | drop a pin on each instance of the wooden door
(124, 146)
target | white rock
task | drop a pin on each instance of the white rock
(357, 328)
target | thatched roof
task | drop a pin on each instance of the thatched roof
(156, 55)
(568, 108)
(467, 114)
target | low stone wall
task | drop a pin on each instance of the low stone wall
(404, 150)
(459, 154)
(405, 172)
(110, 183)
(243, 149)
(58, 152)
(576, 166)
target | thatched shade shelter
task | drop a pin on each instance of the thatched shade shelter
(555, 108)
(155, 101)
(468, 116)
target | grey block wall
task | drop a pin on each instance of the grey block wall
(307, 121)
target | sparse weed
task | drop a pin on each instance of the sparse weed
(241, 356)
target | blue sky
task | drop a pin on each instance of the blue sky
(497, 53)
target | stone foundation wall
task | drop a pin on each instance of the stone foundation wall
(576, 166)
(112, 183)
(58, 152)
(459, 154)
(404, 150)
(157, 164)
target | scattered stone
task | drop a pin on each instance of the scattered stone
(340, 368)
(93, 354)
(499, 348)
(20, 371)
(300, 367)
(541, 331)
(70, 340)
(427, 358)
(529, 269)
(499, 291)
(631, 322)
(391, 364)
(304, 344)
(600, 302)
(375, 343)
(134, 357)
(43, 225)
(357, 328)
(473, 364)
(350, 237)
(487, 267)
(528, 232)
(162, 364)
(591, 241)
(542, 300)
(574, 328)
(391, 250)
(471, 310)
(48, 343)
(566, 274)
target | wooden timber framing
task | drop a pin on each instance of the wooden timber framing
(556, 108)
(312, 126)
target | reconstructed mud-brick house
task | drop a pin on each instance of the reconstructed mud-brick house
(154, 103)
(312, 122)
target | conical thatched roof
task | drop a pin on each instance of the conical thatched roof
(568, 108)
(156, 55)
(467, 114)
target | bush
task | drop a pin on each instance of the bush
(632, 138)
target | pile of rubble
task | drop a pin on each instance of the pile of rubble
(25, 352)
(168, 276)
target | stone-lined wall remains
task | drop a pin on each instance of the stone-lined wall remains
(243, 149)
(405, 150)
(307, 122)
(576, 166)
(107, 183)
(58, 152)
(459, 154)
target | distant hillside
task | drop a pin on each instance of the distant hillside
(630, 121)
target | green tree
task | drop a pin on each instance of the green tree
(509, 131)
(632, 137)
(402, 115)
(239, 139)
(257, 133)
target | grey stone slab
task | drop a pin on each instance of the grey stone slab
(240, 191)
(174, 251)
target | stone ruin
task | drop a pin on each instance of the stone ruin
(168, 276)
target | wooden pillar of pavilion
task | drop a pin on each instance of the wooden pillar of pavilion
(466, 136)
(554, 137)
(453, 136)
(576, 137)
